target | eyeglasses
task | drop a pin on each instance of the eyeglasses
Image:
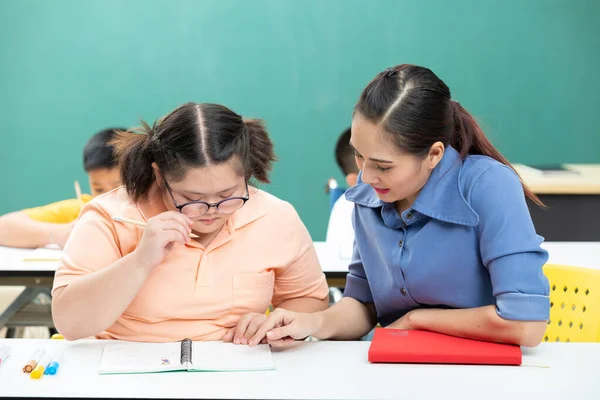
(198, 208)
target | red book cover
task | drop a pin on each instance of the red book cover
(422, 347)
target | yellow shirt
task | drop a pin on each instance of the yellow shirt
(61, 212)
(263, 255)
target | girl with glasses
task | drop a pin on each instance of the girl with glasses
(214, 253)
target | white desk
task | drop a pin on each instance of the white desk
(37, 277)
(587, 181)
(11, 261)
(573, 202)
(316, 370)
(574, 254)
(330, 259)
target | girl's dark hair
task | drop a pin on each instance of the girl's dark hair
(414, 107)
(192, 135)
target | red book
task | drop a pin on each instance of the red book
(399, 346)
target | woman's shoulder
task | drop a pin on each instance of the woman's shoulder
(478, 168)
(483, 177)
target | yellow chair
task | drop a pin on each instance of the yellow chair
(574, 304)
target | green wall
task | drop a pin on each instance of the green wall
(528, 69)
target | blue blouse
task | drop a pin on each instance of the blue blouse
(467, 241)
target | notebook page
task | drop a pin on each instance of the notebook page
(138, 358)
(220, 356)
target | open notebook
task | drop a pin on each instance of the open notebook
(140, 358)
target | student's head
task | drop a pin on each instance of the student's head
(344, 156)
(402, 124)
(99, 162)
(198, 152)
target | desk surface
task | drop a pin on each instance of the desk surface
(586, 182)
(11, 261)
(316, 370)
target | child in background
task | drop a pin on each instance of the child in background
(52, 224)
(339, 231)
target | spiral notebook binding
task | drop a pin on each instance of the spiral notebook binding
(186, 352)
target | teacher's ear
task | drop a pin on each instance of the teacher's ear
(436, 152)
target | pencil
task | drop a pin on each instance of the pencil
(77, 190)
(140, 223)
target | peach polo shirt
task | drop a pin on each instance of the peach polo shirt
(263, 255)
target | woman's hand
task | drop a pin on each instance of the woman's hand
(283, 327)
(245, 329)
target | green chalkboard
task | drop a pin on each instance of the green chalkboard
(527, 68)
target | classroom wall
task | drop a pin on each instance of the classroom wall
(527, 69)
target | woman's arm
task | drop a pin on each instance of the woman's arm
(482, 323)
(510, 251)
(248, 324)
(348, 319)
